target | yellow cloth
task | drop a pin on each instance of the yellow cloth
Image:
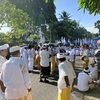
(28, 97)
(73, 64)
(53, 64)
(85, 63)
(65, 94)
(37, 61)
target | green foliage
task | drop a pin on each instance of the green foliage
(97, 25)
(2, 38)
(15, 18)
(68, 28)
(93, 6)
(40, 11)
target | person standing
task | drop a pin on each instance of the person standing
(72, 55)
(15, 77)
(30, 58)
(97, 57)
(25, 55)
(3, 54)
(66, 77)
(85, 56)
(52, 58)
(60, 48)
(37, 58)
(44, 62)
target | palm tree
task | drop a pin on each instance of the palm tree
(65, 16)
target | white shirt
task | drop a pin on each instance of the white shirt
(60, 48)
(44, 58)
(93, 72)
(2, 60)
(16, 79)
(86, 53)
(83, 81)
(25, 54)
(34, 53)
(31, 54)
(72, 54)
(65, 69)
(77, 52)
(21, 51)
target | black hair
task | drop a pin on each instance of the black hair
(61, 59)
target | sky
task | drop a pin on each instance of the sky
(71, 7)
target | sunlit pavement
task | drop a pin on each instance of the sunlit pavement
(48, 91)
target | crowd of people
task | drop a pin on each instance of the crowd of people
(15, 82)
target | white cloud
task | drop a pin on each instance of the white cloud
(92, 29)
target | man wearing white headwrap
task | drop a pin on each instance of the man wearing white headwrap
(85, 80)
(15, 77)
(66, 77)
(3, 54)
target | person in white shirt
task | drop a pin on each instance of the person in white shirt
(15, 77)
(21, 50)
(34, 55)
(81, 50)
(25, 54)
(60, 48)
(3, 54)
(85, 81)
(44, 62)
(93, 70)
(31, 54)
(85, 56)
(52, 58)
(72, 55)
(66, 77)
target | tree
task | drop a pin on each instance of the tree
(40, 11)
(68, 28)
(64, 16)
(97, 25)
(14, 18)
(93, 6)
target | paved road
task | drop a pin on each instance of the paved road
(48, 91)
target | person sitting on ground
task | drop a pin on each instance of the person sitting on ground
(93, 70)
(97, 82)
(85, 82)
